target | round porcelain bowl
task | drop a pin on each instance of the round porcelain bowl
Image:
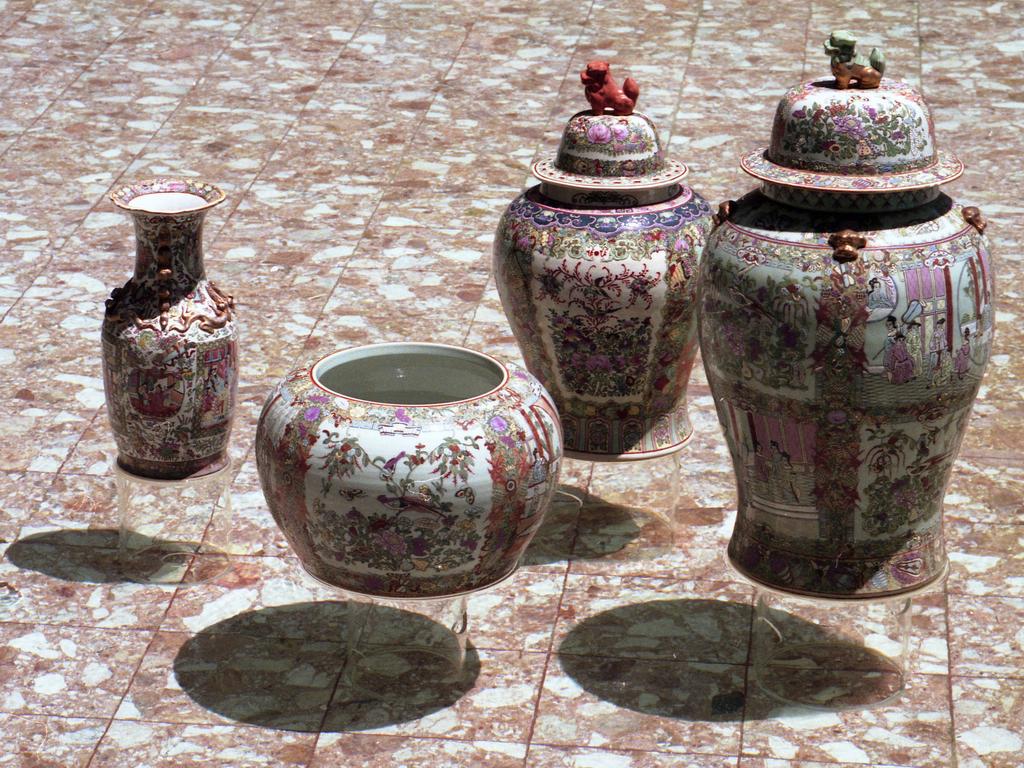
(409, 469)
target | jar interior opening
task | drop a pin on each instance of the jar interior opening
(167, 202)
(409, 374)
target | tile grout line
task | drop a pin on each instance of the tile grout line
(584, 26)
(129, 26)
(682, 76)
(81, 436)
(386, 183)
(131, 681)
(56, 249)
(18, 19)
(284, 136)
(748, 678)
(202, 76)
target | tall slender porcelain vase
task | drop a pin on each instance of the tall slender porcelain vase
(596, 269)
(170, 353)
(847, 318)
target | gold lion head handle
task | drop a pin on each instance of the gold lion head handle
(975, 218)
(846, 245)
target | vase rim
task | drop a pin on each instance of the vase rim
(124, 195)
(321, 366)
(946, 168)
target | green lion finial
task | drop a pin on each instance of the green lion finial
(848, 65)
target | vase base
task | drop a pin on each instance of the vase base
(405, 596)
(911, 591)
(629, 455)
(173, 470)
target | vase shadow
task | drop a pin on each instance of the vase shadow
(284, 667)
(82, 555)
(92, 556)
(690, 659)
(573, 511)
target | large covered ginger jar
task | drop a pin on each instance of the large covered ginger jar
(847, 318)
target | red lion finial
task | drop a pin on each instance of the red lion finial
(603, 93)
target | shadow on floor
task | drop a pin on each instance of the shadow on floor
(91, 556)
(87, 555)
(288, 668)
(688, 659)
(574, 513)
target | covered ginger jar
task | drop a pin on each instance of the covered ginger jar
(846, 321)
(596, 269)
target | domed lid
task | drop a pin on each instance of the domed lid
(610, 146)
(860, 132)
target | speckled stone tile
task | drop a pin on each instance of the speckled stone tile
(989, 718)
(775, 762)
(77, 510)
(517, 615)
(632, 525)
(368, 152)
(379, 751)
(985, 559)
(56, 583)
(986, 491)
(900, 733)
(555, 757)
(50, 670)
(986, 636)
(22, 494)
(33, 740)
(492, 700)
(638, 704)
(161, 745)
(271, 595)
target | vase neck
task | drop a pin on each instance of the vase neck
(607, 198)
(849, 202)
(169, 242)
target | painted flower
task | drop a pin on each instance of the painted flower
(620, 131)
(498, 424)
(850, 126)
(311, 414)
(392, 542)
(599, 133)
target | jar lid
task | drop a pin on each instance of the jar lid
(860, 132)
(610, 146)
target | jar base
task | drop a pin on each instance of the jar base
(631, 456)
(173, 470)
(910, 591)
(403, 597)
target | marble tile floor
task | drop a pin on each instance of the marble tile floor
(368, 149)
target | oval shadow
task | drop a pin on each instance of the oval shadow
(285, 668)
(689, 660)
(87, 555)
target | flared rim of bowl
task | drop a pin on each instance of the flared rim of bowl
(368, 350)
(125, 195)
(947, 168)
(673, 173)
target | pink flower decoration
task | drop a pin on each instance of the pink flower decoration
(599, 133)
